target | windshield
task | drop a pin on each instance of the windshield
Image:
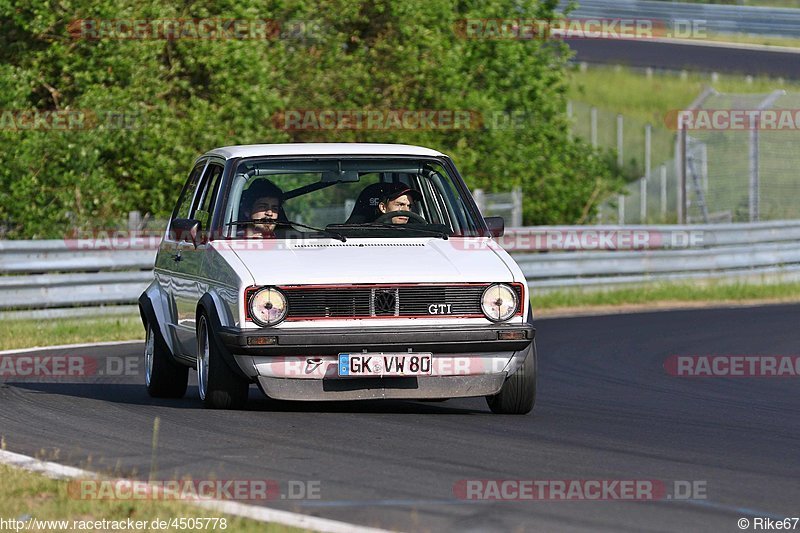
(356, 198)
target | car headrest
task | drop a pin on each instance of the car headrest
(366, 206)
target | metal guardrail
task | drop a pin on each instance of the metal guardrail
(759, 251)
(65, 278)
(57, 278)
(717, 18)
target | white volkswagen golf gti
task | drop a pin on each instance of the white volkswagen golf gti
(336, 272)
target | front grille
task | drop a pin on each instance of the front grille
(376, 301)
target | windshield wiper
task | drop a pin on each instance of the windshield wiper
(403, 227)
(265, 220)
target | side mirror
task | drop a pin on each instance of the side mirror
(496, 225)
(185, 230)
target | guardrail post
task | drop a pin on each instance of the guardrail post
(516, 209)
(480, 199)
(621, 209)
(134, 220)
(663, 193)
(643, 200)
(593, 114)
(620, 158)
(648, 132)
(678, 163)
(754, 176)
(680, 167)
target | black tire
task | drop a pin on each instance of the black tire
(518, 394)
(165, 378)
(224, 388)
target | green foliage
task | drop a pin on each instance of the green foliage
(186, 96)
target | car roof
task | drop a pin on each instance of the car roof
(295, 149)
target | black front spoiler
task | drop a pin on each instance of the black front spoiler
(331, 341)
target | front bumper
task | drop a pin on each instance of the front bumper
(454, 376)
(331, 341)
(381, 388)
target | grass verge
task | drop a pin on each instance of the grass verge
(48, 332)
(33, 498)
(662, 295)
(649, 98)
(745, 38)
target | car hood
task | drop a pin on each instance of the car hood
(318, 261)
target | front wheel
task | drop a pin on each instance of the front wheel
(164, 377)
(219, 386)
(518, 393)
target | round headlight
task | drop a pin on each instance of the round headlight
(499, 302)
(268, 306)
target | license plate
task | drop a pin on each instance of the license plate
(384, 364)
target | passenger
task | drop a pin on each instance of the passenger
(262, 200)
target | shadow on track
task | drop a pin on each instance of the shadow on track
(136, 395)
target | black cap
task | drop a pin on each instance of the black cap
(259, 189)
(394, 191)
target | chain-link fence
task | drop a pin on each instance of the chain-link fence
(644, 154)
(661, 191)
(727, 158)
(742, 159)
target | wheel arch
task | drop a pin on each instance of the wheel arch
(151, 311)
(211, 305)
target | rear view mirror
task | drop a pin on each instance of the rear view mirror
(185, 230)
(496, 225)
(344, 176)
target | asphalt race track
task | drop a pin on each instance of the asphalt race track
(606, 410)
(675, 56)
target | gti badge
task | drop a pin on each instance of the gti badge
(439, 309)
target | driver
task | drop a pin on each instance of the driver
(261, 200)
(398, 198)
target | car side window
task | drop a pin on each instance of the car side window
(207, 194)
(185, 203)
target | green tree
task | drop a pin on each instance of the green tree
(185, 96)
